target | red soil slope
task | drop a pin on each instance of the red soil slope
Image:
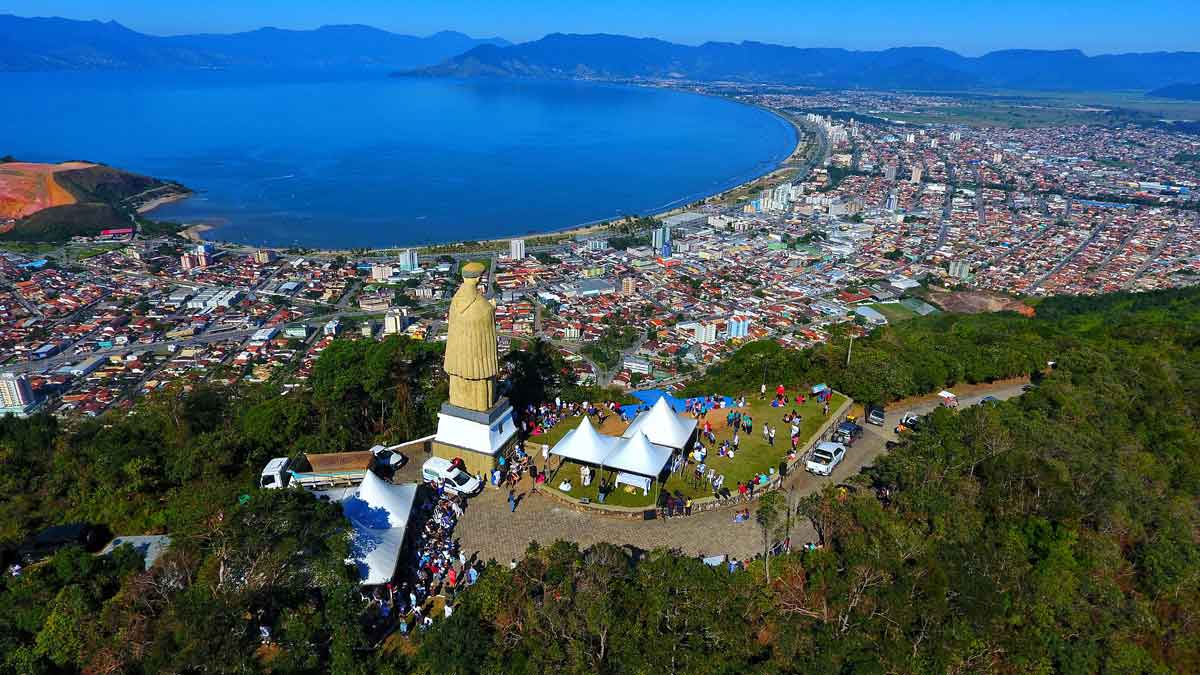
(27, 188)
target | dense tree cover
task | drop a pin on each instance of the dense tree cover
(1051, 533)
(921, 356)
(185, 462)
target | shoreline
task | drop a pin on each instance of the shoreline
(162, 201)
(195, 231)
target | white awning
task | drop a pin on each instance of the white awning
(584, 444)
(662, 426)
(379, 514)
(638, 455)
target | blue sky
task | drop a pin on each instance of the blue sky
(968, 26)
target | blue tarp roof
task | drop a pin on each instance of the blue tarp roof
(650, 396)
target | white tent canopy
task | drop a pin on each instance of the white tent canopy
(638, 455)
(585, 444)
(662, 426)
(379, 514)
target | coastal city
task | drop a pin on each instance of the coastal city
(465, 338)
(870, 221)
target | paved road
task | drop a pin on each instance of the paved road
(489, 529)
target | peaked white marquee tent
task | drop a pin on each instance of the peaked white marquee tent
(638, 455)
(662, 426)
(378, 514)
(585, 444)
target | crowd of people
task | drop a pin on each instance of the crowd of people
(514, 464)
(539, 419)
(438, 566)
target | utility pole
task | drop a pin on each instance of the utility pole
(850, 350)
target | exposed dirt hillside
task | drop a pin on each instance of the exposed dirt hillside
(26, 188)
(53, 202)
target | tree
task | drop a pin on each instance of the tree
(771, 509)
(536, 373)
(62, 638)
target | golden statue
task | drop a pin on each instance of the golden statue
(471, 359)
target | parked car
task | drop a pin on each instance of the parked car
(992, 400)
(825, 458)
(908, 422)
(846, 433)
(440, 469)
(875, 416)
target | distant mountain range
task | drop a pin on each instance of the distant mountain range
(1182, 92)
(620, 57)
(64, 44)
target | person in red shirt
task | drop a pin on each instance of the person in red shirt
(452, 578)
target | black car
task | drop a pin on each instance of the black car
(847, 433)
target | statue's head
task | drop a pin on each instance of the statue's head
(473, 270)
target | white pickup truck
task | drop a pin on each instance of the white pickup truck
(825, 458)
(328, 470)
(437, 469)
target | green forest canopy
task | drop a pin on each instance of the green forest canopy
(1053, 532)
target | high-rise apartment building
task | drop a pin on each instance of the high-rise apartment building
(409, 260)
(516, 249)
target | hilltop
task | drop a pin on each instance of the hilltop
(604, 56)
(54, 202)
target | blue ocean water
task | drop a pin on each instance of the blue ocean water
(366, 160)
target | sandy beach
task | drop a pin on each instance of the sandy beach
(160, 201)
(195, 232)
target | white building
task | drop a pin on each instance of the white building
(637, 364)
(211, 298)
(516, 249)
(15, 392)
(409, 261)
(700, 332)
(394, 322)
(381, 272)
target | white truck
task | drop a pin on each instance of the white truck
(319, 471)
(437, 469)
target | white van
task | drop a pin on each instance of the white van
(438, 469)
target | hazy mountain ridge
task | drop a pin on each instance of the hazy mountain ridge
(65, 44)
(619, 57)
(1182, 92)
